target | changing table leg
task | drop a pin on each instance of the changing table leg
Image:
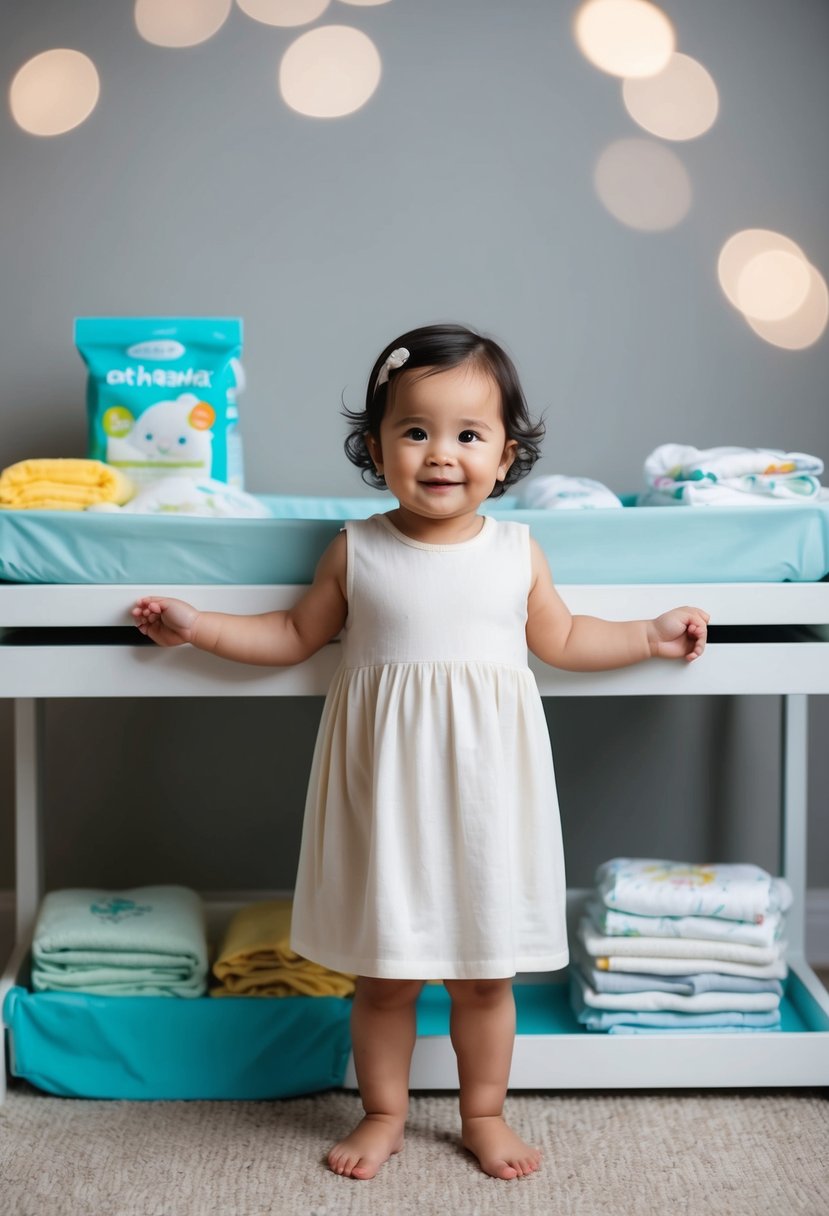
(793, 814)
(29, 733)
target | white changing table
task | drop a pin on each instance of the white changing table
(72, 667)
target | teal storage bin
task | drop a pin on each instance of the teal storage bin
(78, 1045)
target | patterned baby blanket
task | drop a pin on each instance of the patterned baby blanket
(650, 887)
(679, 474)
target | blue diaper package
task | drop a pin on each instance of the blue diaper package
(162, 395)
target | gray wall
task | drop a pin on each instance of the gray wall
(461, 191)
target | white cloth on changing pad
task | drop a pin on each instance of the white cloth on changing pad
(677, 473)
(687, 463)
(651, 887)
(557, 491)
(711, 928)
(181, 495)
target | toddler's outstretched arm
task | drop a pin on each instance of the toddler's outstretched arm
(272, 639)
(589, 643)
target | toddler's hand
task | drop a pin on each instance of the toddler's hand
(679, 634)
(167, 622)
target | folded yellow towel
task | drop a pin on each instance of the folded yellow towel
(62, 484)
(255, 958)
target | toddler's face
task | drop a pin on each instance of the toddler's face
(442, 444)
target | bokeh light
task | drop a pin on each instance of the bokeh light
(54, 92)
(178, 23)
(643, 184)
(680, 102)
(805, 326)
(284, 12)
(329, 72)
(769, 279)
(772, 285)
(741, 248)
(624, 37)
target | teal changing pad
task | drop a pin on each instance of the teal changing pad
(633, 545)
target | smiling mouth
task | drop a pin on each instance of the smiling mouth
(439, 482)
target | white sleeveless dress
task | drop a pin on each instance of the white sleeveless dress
(431, 844)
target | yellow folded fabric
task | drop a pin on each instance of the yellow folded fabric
(62, 484)
(255, 958)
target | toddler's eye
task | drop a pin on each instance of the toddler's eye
(468, 436)
(416, 432)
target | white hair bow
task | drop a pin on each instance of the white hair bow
(396, 359)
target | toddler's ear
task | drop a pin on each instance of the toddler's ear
(509, 454)
(375, 451)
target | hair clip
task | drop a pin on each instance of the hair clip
(396, 359)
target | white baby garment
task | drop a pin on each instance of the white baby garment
(431, 846)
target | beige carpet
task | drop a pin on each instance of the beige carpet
(734, 1153)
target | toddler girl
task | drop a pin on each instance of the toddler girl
(431, 844)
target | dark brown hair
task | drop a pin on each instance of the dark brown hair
(439, 347)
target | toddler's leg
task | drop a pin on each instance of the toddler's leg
(383, 1031)
(482, 1027)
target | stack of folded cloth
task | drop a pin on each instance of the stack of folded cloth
(255, 958)
(62, 484)
(147, 941)
(672, 947)
(680, 475)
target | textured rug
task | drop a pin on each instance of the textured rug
(733, 1153)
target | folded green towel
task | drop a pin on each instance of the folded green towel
(148, 941)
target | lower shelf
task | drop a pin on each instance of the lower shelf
(78, 1045)
(552, 1051)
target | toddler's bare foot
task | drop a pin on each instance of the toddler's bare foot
(371, 1143)
(499, 1151)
